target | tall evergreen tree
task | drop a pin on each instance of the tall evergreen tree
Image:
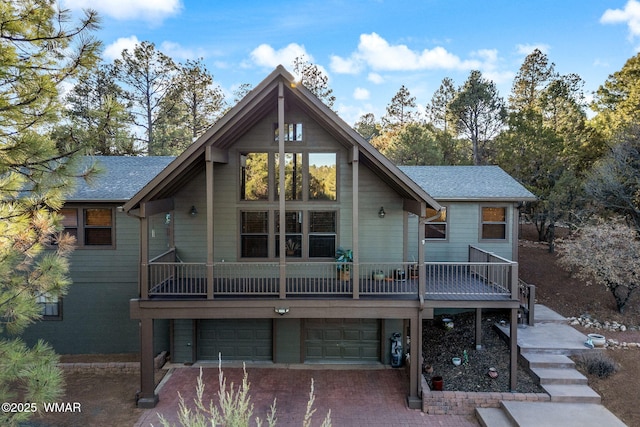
(479, 113)
(148, 76)
(39, 50)
(438, 109)
(201, 98)
(314, 79)
(401, 110)
(367, 126)
(97, 115)
(532, 78)
(616, 101)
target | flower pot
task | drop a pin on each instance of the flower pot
(345, 275)
(456, 361)
(377, 275)
(597, 340)
(437, 383)
(447, 323)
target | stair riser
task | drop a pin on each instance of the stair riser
(576, 399)
(563, 381)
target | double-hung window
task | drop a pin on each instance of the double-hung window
(436, 227)
(494, 223)
(92, 227)
(50, 306)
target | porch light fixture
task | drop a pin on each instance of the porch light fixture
(193, 211)
(281, 310)
(381, 212)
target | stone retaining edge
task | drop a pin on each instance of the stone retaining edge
(465, 403)
(158, 362)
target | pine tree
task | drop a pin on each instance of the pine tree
(39, 50)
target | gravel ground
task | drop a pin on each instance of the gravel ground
(441, 344)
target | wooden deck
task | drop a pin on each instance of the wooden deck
(441, 287)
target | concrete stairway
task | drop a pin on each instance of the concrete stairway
(544, 350)
(557, 375)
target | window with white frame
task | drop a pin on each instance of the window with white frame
(436, 227)
(92, 227)
(494, 223)
(309, 234)
(50, 306)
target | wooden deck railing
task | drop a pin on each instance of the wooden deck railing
(485, 276)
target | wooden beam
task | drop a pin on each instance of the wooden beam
(155, 207)
(478, 328)
(413, 206)
(216, 155)
(256, 309)
(147, 398)
(513, 350)
(355, 215)
(210, 226)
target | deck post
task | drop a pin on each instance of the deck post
(144, 258)
(210, 222)
(515, 285)
(355, 276)
(513, 350)
(415, 326)
(478, 328)
(531, 305)
(147, 398)
(281, 197)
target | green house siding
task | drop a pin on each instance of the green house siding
(463, 229)
(380, 239)
(95, 312)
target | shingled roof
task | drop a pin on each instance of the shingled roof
(120, 178)
(462, 183)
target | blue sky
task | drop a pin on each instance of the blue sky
(369, 48)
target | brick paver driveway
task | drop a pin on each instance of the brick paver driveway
(355, 396)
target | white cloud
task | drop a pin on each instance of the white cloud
(629, 15)
(380, 55)
(266, 56)
(361, 94)
(114, 50)
(526, 49)
(375, 78)
(344, 66)
(147, 10)
(178, 52)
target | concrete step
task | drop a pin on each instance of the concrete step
(543, 314)
(493, 417)
(536, 414)
(546, 360)
(571, 393)
(558, 376)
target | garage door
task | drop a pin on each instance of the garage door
(329, 340)
(242, 339)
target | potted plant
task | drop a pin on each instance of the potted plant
(291, 247)
(344, 258)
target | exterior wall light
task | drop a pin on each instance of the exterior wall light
(193, 211)
(281, 310)
(381, 212)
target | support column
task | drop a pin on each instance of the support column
(414, 400)
(281, 198)
(147, 398)
(355, 273)
(210, 222)
(478, 328)
(513, 350)
(144, 258)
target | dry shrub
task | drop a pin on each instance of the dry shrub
(596, 363)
